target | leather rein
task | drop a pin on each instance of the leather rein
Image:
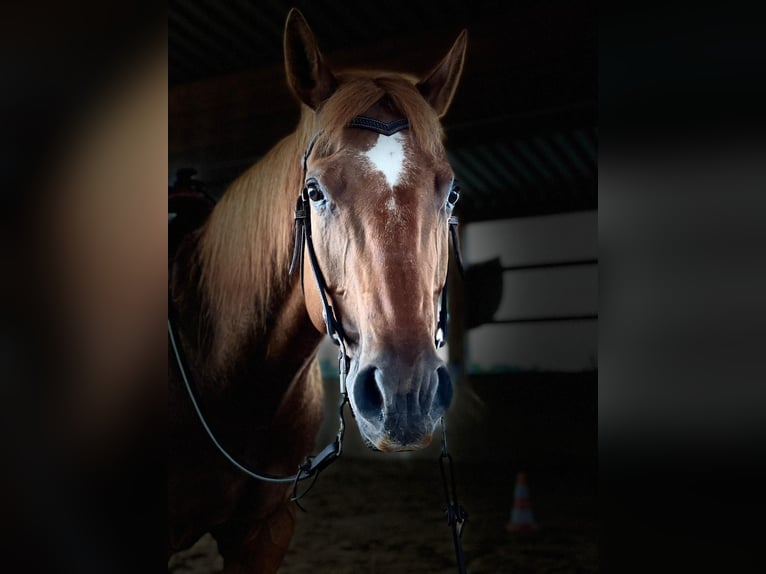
(312, 466)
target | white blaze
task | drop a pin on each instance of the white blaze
(387, 156)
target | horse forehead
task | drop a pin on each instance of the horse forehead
(388, 157)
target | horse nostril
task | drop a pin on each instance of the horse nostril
(443, 395)
(367, 395)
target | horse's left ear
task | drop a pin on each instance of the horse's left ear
(439, 85)
(309, 76)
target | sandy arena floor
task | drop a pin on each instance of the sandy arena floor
(375, 517)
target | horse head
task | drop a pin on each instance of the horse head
(380, 192)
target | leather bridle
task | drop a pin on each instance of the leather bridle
(304, 239)
(312, 466)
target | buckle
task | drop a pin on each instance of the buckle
(323, 459)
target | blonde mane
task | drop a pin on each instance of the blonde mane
(246, 244)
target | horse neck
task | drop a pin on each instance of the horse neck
(249, 314)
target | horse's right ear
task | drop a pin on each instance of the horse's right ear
(309, 77)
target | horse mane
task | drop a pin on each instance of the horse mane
(245, 246)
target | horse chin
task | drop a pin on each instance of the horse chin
(385, 445)
(369, 444)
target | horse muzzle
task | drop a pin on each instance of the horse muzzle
(398, 405)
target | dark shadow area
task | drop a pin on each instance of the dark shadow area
(372, 512)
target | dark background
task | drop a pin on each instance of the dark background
(521, 131)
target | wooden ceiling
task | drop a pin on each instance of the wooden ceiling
(522, 131)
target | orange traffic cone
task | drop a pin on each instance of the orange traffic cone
(522, 519)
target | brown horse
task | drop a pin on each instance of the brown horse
(379, 209)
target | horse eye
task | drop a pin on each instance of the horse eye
(313, 191)
(453, 196)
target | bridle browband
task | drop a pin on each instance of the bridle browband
(385, 128)
(312, 466)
